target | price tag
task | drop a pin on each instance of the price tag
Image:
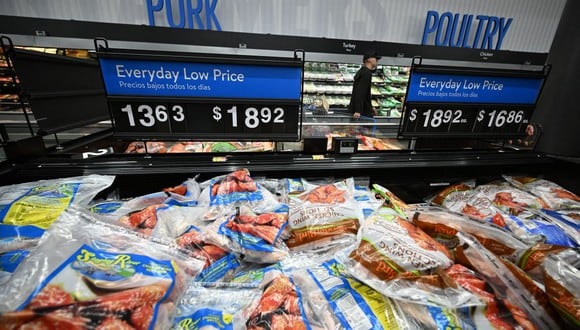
(169, 96)
(462, 120)
(212, 120)
(448, 102)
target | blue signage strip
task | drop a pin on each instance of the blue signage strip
(127, 77)
(446, 88)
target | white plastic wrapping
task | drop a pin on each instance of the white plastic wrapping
(393, 254)
(555, 196)
(27, 209)
(522, 301)
(88, 273)
(218, 306)
(224, 193)
(323, 216)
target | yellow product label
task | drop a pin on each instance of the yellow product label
(381, 306)
(41, 206)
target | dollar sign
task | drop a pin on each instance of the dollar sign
(481, 115)
(217, 113)
(413, 115)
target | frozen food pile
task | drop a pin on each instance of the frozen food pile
(242, 252)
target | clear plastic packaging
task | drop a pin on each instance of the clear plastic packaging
(510, 199)
(512, 286)
(217, 306)
(443, 226)
(334, 300)
(323, 216)
(562, 283)
(393, 254)
(186, 227)
(280, 307)
(256, 237)
(224, 193)
(85, 273)
(556, 197)
(27, 209)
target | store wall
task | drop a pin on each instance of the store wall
(522, 25)
(558, 109)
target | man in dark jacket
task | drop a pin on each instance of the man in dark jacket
(360, 100)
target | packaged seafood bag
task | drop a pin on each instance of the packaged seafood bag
(223, 193)
(279, 307)
(185, 226)
(556, 197)
(258, 237)
(527, 303)
(443, 226)
(140, 213)
(334, 300)
(562, 283)
(393, 254)
(219, 306)
(86, 274)
(27, 209)
(323, 217)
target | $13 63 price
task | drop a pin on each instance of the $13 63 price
(251, 117)
(148, 116)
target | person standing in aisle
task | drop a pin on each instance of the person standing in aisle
(360, 100)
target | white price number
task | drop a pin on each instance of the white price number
(252, 117)
(152, 116)
(436, 118)
(502, 117)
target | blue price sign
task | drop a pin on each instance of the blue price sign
(446, 88)
(128, 77)
(171, 96)
(469, 102)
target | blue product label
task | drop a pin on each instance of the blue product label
(255, 277)
(10, 260)
(449, 319)
(446, 88)
(235, 197)
(563, 218)
(106, 207)
(294, 186)
(205, 318)
(343, 298)
(113, 284)
(252, 236)
(218, 269)
(124, 77)
(22, 232)
(552, 233)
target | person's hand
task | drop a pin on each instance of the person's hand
(356, 115)
(375, 112)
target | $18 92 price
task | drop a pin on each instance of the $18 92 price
(434, 118)
(251, 117)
